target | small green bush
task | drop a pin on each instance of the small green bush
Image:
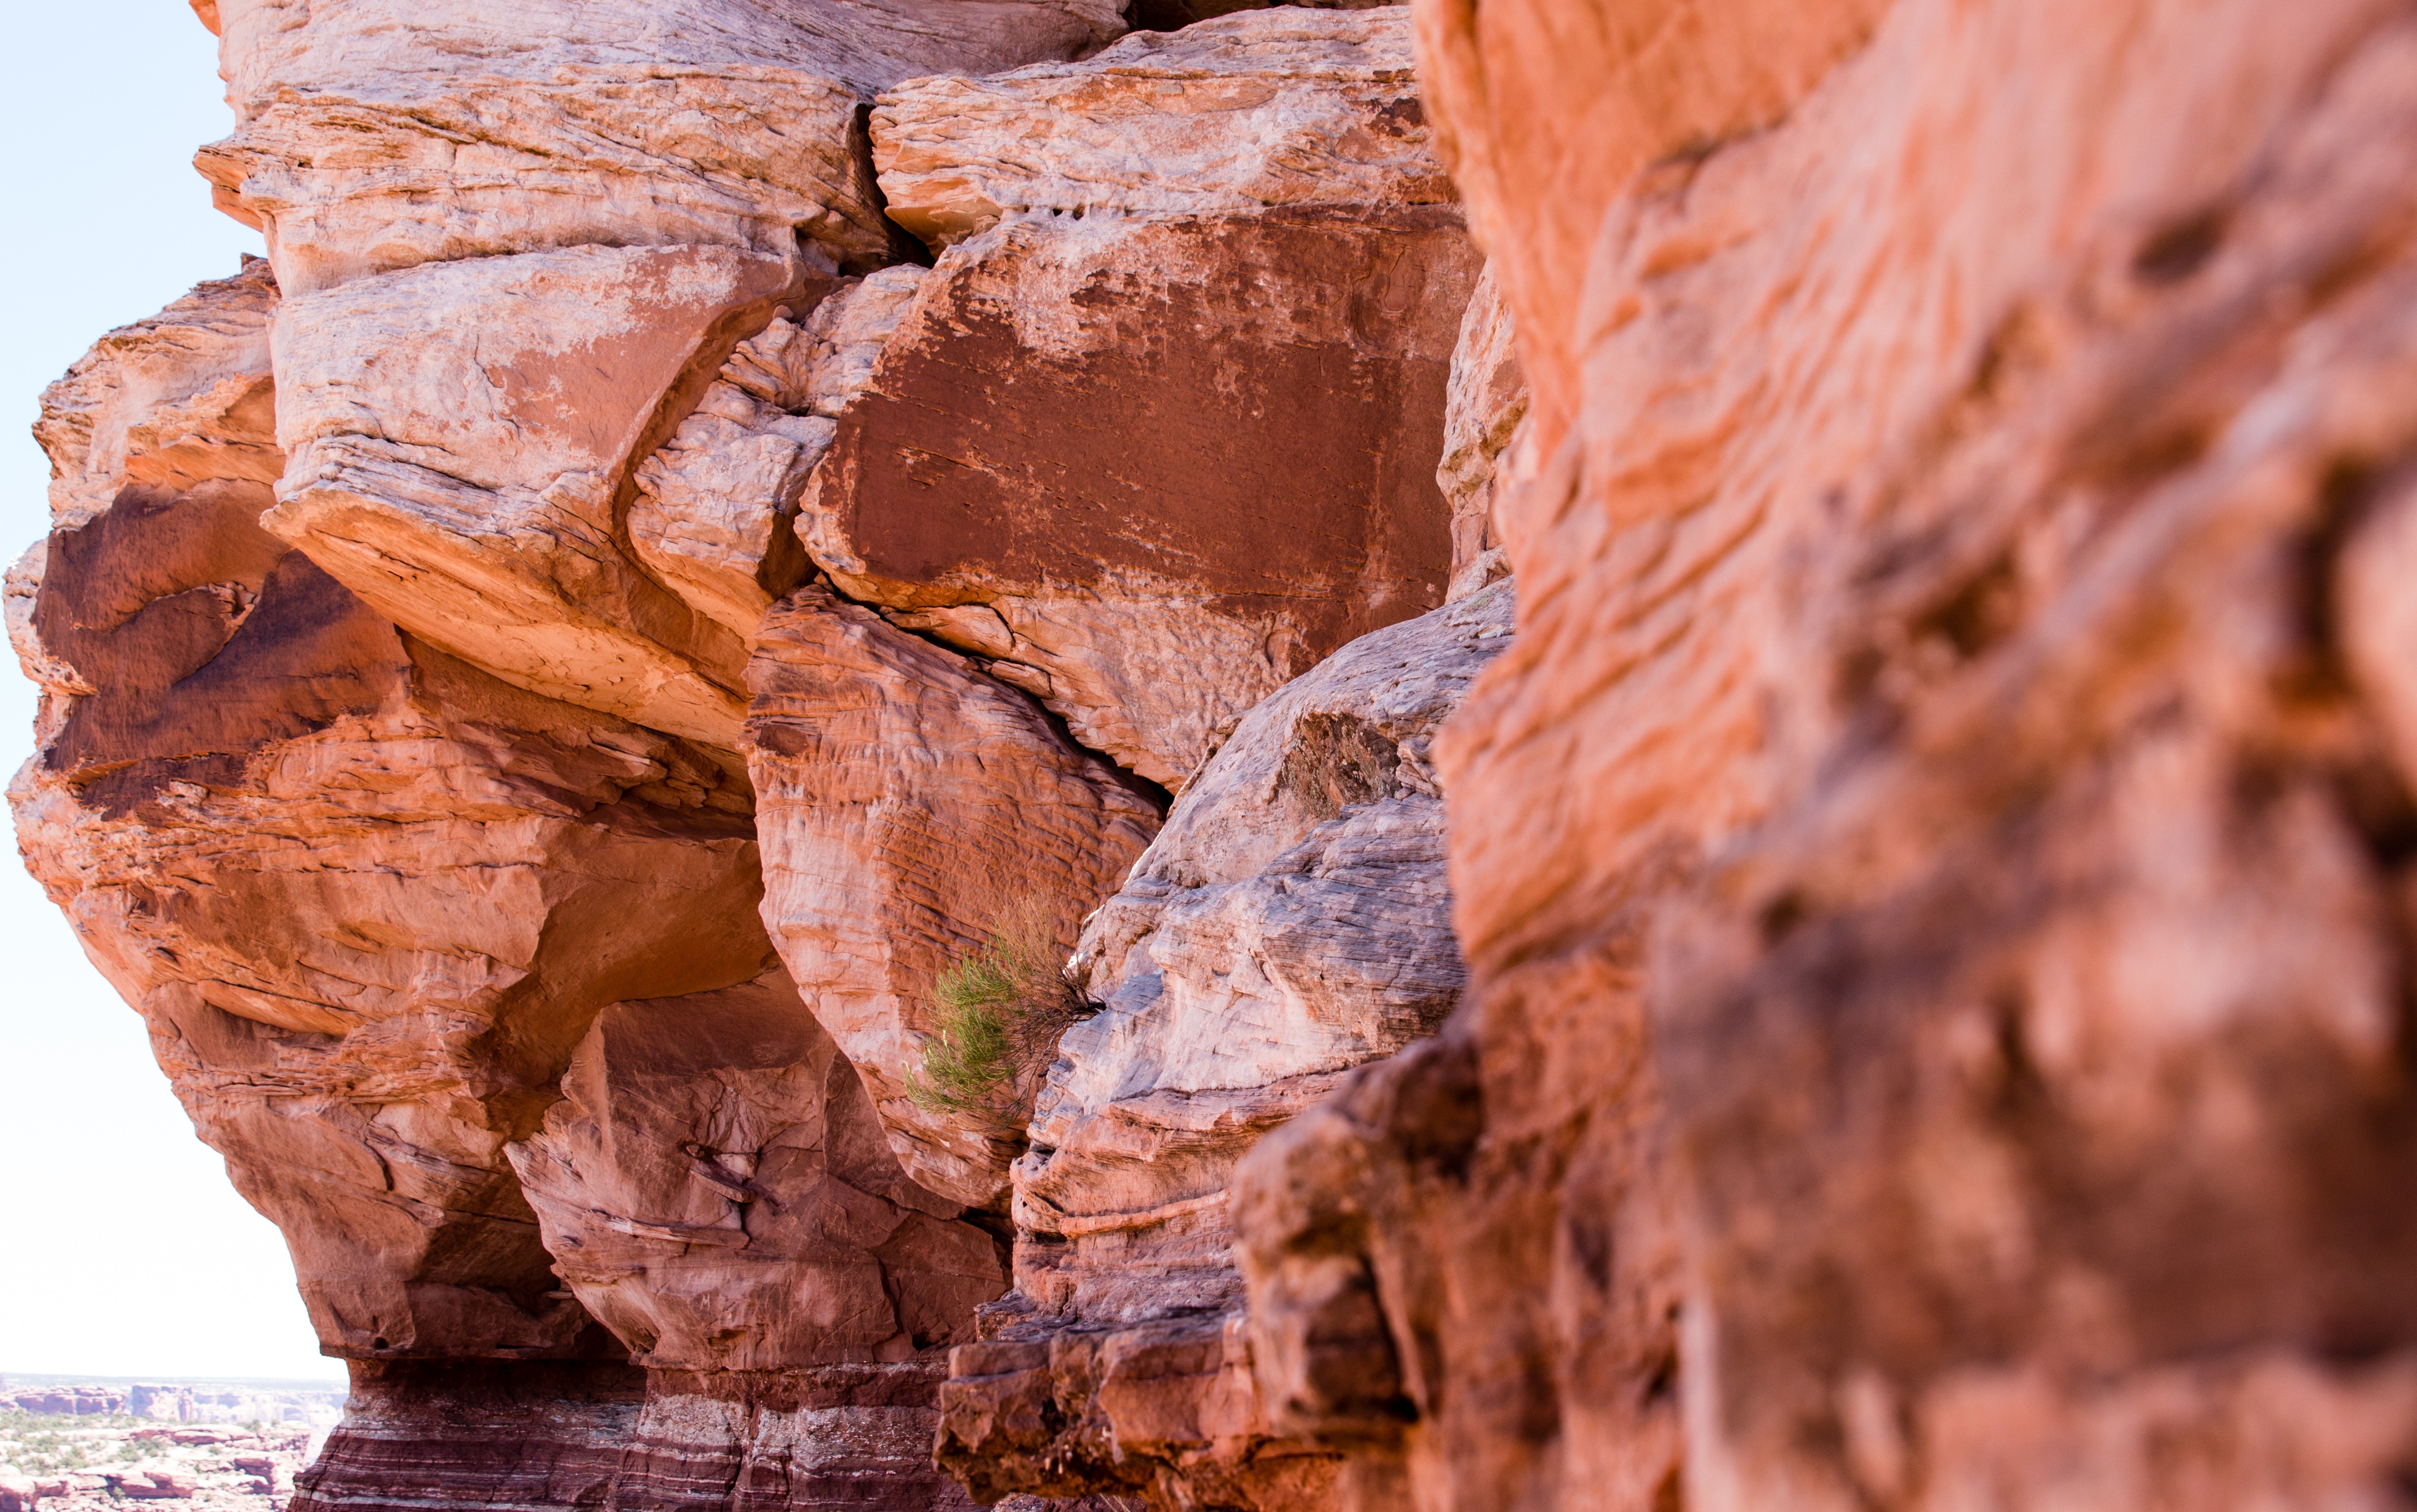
(998, 1014)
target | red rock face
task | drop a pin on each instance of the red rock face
(393, 761)
(260, 821)
(908, 805)
(514, 1436)
(717, 1190)
(1888, 991)
(1939, 1033)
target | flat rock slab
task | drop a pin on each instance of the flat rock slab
(1162, 465)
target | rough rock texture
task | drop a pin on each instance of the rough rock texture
(717, 504)
(1934, 865)
(720, 1194)
(514, 1437)
(516, 243)
(905, 802)
(528, 1437)
(169, 401)
(1488, 446)
(1286, 107)
(460, 435)
(1157, 441)
(377, 137)
(534, 718)
(367, 896)
(372, 901)
(417, 641)
(1291, 921)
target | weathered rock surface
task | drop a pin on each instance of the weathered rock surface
(368, 897)
(513, 1436)
(1282, 107)
(168, 401)
(850, 1435)
(1291, 921)
(1157, 446)
(717, 504)
(371, 138)
(1488, 447)
(516, 244)
(544, 1435)
(1931, 866)
(906, 804)
(407, 801)
(719, 1193)
(461, 435)
(1929, 883)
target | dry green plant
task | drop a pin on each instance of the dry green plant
(998, 1013)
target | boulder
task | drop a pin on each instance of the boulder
(719, 1193)
(1155, 441)
(367, 898)
(907, 807)
(1291, 921)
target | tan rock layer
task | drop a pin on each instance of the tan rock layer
(461, 438)
(1282, 107)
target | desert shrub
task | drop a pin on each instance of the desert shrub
(998, 1014)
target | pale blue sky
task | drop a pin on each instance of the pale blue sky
(123, 1250)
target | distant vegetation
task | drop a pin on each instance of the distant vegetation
(46, 1444)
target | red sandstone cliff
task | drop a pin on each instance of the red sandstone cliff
(1872, 973)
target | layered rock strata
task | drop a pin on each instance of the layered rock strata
(515, 245)
(400, 928)
(435, 627)
(1911, 1009)
(367, 896)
